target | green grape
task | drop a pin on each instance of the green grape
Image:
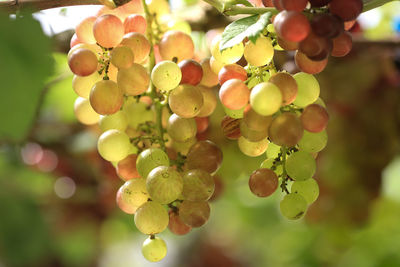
(227, 56)
(293, 206)
(260, 53)
(308, 89)
(198, 185)
(186, 101)
(106, 97)
(154, 249)
(133, 80)
(83, 84)
(266, 98)
(301, 166)
(183, 147)
(181, 129)
(149, 159)
(236, 114)
(137, 113)
(164, 184)
(122, 57)
(194, 214)
(313, 142)
(84, 112)
(308, 189)
(273, 150)
(271, 28)
(132, 194)
(151, 218)
(209, 101)
(252, 149)
(114, 145)
(166, 75)
(269, 163)
(117, 121)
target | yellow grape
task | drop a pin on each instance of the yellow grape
(151, 218)
(209, 101)
(139, 45)
(117, 121)
(252, 149)
(83, 84)
(166, 75)
(122, 57)
(266, 98)
(209, 79)
(154, 249)
(227, 56)
(84, 30)
(308, 89)
(260, 53)
(108, 30)
(176, 44)
(106, 97)
(215, 65)
(158, 7)
(84, 112)
(134, 80)
(132, 194)
(114, 145)
(186, 101)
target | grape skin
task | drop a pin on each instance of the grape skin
(113, 145)
(263, 182)
(154, 249)
(300, 166)
(166, 75)
(293, 206)
(151, 218)
(84, 112)
(308, 189)
(106, 97)
(149, 159)
(164, 184)
(259, 53)
(266, 98)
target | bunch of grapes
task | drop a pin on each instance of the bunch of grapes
(137, 80)
(315, 29)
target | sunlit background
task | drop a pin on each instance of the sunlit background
(57, 196)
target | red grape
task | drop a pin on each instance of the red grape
(263, 182)
(342, 45)
(192, 72)
(346, 9)
(309, 66)
(314, 118)
(231, 71)
(292, 26)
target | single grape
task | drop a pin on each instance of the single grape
(288, 86)
(192, 72)
(286, 130)
(346, 9)
(313, 142)
(252, 149)
(300, 166)
(266, 98)
(256, 121)
(166, 75)
(117, 121)
(263, 182)
(308, 89)
(309, 66)
(234, 94)
(113, 145)
(198, 185)
(308, 189)
(194, 214)
(314, 118)
(342, 45)
(259, 53)
(176, 44)
(84, 30)
(82, 62)
(149, 159)
(139, 45)
(209, 101)
(106, 97)
(204, 155)
(209, 79)
(122, 57)
(176, 225)
(154, 249)
(292, 26)
(84, 112)
(232, 71)
(164, 184)
(83, 84)
(293, 206)
(131, 195)
(135, 23)
(252, 134)
(137, 113)
(108, 30)
(181, 129)
(151, 218)
(186, 101)
(231, 128)
(126, 168)
(134, 80)
(316, 47)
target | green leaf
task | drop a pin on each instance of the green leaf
(25, 64)
(250, 27)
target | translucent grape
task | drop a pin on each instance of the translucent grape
(263, 182)
(252, 149)
(139, 45)
(113, 145)
(166, 75)
(266, 98)
(192, 72)
(231, 128)
(117, 121)
(202, 124)
(108, 30)
(158, 7)
(134, 80)
(186, 101)
(260, 53)
(209, 101)
(176, 44)
(309, 66)
(164, 184)
(314, 118)
(296, 5)
(132, 194)
(135, 23)
(204, 155)
(273, 151)
(82, 62)
(346, 9)
(209, 79)
(84, 112)
(308, 189)
(313, 142)
(227, 56)
(149, 159)
(292, 26)
(251, 134)
(122, 57)
(194, 214)
(83, 85)
(301, 166)
(234, 94)
(215, 65)
(198, 185)
(74, 41)
(106, 97)
(181, 129)
(293, 206)
(151, 218)
(176, 225)
(342, 45)
(286, 130)
(232, 71)
(288, 86)
(126, 168)
(154, 249)
(138, 112)
(308, 89)
(84, 30)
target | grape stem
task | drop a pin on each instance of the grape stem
(285, 177)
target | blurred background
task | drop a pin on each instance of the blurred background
(57, 195)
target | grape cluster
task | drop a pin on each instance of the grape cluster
(150, 99)
(274, 113)
(315, 29)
